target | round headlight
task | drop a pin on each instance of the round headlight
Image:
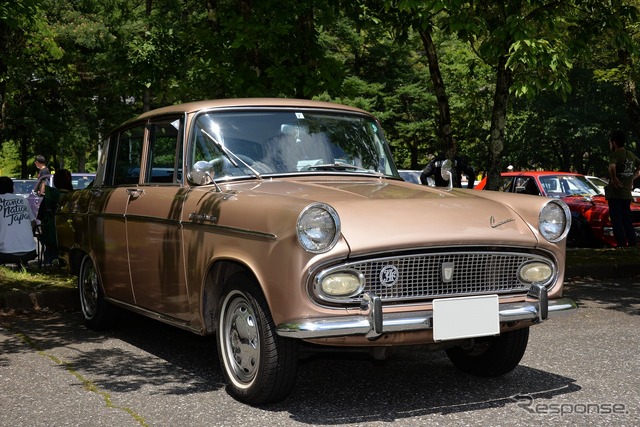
(318, 228)
(535, 272)
(554, 221)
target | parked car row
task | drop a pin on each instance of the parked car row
(590, 223)
(32, 189)
(273, 221)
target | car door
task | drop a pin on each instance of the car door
(108, 208)
(153, 225)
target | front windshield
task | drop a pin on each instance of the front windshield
(246, 143)
(568, 185)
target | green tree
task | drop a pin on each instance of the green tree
(27, 50)
(528, 43)
(616, 58)
(241, 48)
(548, 132)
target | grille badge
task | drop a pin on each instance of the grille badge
(389, 275)
(447, 271)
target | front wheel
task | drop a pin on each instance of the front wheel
(580, 235)
(490, 357)
(258, 365)
(98, 313)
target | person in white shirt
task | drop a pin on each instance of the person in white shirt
(17, 221)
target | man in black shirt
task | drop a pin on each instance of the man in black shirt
(41, 164)
(460, 166)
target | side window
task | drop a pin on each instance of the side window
(125, 154)
(505, 184)
(527, 185)
(164, 150)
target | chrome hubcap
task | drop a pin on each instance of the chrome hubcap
(89, 291)
(242, 340)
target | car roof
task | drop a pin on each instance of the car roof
(190, 107)
(539, 173)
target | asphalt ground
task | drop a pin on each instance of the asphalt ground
(578, 370)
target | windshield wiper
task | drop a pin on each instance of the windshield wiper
(341, 166)
(231, 155)
(337, 166)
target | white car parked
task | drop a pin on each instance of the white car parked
(601, 183)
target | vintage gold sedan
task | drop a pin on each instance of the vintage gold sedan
(270, 222)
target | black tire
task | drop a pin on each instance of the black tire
(580, 235)
(258, 365)
(98, 313)
(491, 357)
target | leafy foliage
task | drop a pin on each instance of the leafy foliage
(566, 70)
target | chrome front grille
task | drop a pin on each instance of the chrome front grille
(442, 274)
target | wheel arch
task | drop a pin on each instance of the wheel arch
(75, 260)
(218, 277)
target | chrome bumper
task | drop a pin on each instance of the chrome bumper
(372, 322)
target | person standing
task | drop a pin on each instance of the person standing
(17, 245)
(43, 170)
(47, 212)
(460, 167)
(624, 167)
(41, 164)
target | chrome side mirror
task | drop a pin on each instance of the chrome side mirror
(201, 173)
(446, 171)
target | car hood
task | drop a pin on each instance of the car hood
(598, 200)
(385, 213)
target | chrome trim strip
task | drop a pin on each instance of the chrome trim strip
(230, 230)
(182, 324)
(406, 322)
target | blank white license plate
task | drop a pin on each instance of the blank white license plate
(466, 317)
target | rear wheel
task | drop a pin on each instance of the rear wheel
(490, 357)
(258, 365)
(98, 313)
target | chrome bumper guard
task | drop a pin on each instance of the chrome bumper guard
(372, 323)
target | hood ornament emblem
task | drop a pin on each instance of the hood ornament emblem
(494, 224)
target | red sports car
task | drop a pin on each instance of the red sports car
(591, 225)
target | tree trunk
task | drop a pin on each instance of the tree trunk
(632, 107)
(4, 41)
(24, 155)
(413, 150)
(441, 93)
(306, 31)
(498, 123)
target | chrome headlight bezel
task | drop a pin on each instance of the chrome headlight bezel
(526, 268)
(318, 228)
(554, 221)
(346, 297)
